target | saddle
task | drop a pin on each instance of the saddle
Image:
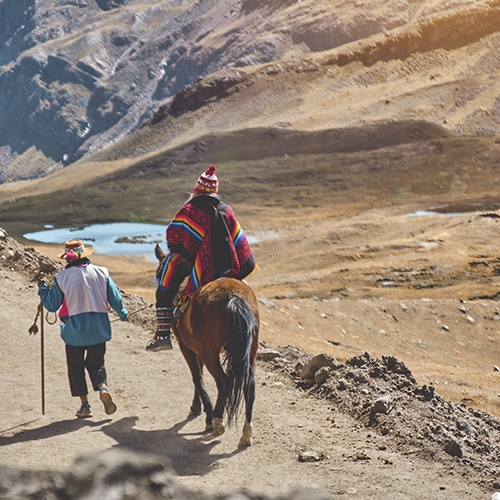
(181, 301)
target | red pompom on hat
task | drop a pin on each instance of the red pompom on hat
(207, 182)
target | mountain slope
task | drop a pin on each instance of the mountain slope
(81, 75)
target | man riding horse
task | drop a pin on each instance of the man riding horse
(205, 242)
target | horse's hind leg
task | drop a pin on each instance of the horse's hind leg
(214, 367)
(200, 392)
(246, 436)
(195, 409)
(219, 428)
(207, 406)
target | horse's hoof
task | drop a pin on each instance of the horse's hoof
(218, 432)
(209, 428)
(244, 443)
(246, 436)
(218, 427)
(194, 413)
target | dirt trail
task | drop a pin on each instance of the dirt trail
(153, 392)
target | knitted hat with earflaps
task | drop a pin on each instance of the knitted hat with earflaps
(207, 182)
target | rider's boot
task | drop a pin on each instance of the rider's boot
(161, 340)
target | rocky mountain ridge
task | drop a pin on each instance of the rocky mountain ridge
(80, 75)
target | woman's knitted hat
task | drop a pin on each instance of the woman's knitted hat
(207, 182)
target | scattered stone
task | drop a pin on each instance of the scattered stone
(361, 455)
(266, 354)
(453, 448)
(310, 456)
(273, 70)
(316, 363)
(471, 320)
(343, 385)
(322, 374)
(446, 328)
(463, 425)
(496, 368)
(382, 405)
(463, 309)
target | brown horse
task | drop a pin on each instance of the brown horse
(223, 316)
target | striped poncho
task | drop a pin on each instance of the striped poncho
(207, 235)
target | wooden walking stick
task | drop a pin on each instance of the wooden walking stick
(42, 359)
(33, 330)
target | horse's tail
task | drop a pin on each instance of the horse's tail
(240, 327)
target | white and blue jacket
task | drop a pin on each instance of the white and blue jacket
(84, 291)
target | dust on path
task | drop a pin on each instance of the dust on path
(153, 392)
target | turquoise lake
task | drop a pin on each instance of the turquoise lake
(111, 239)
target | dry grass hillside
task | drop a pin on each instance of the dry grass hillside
(78, 80)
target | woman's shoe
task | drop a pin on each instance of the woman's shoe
(84, 411)
(105, 397)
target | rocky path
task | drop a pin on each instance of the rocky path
(299, 440)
